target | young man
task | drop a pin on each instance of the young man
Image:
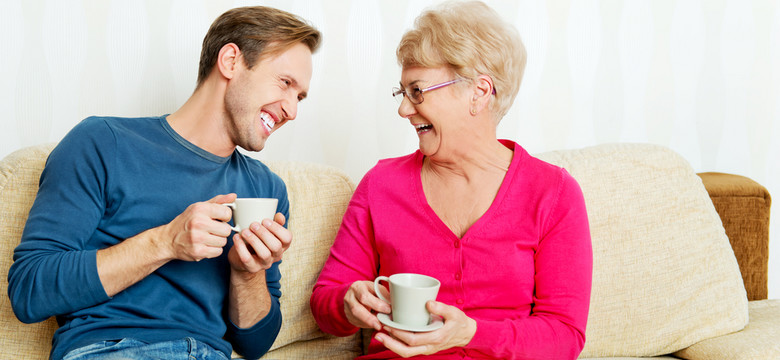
(128, 243)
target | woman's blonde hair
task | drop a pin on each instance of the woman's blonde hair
(472, 39)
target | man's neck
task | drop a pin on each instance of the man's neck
(201, 120)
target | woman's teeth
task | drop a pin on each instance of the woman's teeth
(423, 128)
(268, 121)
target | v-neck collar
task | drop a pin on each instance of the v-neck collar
(518, 155)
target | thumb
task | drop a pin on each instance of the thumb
(437, 308)
(223, 199)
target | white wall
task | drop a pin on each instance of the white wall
(699, 76)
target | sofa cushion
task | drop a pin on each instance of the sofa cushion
(664, 274)
(19, 174)
(318, 199)
(759, 340)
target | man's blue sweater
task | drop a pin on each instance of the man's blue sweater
(110, 179)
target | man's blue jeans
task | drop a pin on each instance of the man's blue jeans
(131, 349)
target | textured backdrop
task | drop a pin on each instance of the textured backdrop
(699, 76)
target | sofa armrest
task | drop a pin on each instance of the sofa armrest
(743, 206)
(757, 341)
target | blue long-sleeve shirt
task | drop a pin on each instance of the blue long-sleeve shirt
(110, 179)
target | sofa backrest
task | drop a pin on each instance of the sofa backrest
(19, 174)
(318, 198)
(664, 273)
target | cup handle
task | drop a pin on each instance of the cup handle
(376, 286)
(232, 206)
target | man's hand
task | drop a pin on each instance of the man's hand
(254, 251)
(258, 247)
(201, 231)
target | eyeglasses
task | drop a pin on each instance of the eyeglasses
(415, 94)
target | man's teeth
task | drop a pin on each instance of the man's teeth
(268, 121)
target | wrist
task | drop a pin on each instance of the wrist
(246, 278)
(471, 331)
(250, 300)
(159, 243)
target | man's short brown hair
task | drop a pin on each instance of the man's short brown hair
(258, 31)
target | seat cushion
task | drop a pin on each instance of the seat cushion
(664, 274)
(759, 340)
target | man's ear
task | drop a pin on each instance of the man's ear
(228, 60)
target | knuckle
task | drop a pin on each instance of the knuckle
(246, 234)
(198, 207)
(363, 297)
(275, 247)
(197, 223)
(412, 341)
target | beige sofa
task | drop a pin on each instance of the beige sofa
(666, 282)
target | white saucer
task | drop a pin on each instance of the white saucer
(435, 324)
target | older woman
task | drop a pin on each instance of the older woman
(505, 233)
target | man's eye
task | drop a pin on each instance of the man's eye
(416, 92)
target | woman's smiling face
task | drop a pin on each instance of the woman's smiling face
(441, 120)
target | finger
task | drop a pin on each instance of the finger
(442, 309)
(241, 249)
(249, 261)
(280, 219)
(220, 229)
(399, 347)
(223, 199)
(202, 251)
(270, 240)
(211, 252)
(206, 212)
(279, 232)
(257, 246)
(414, 339)
(360, 313)
(214, 241)
(201, 223)
(368, 298)
(222, 213)
(385, 294)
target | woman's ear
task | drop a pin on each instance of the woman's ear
(228, 60)
(482, 93)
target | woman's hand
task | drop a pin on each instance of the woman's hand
(361, 305)
(458, 330)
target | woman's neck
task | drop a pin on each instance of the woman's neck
(470, 163)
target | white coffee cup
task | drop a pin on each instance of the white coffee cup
(249, 210)
(409, 293)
